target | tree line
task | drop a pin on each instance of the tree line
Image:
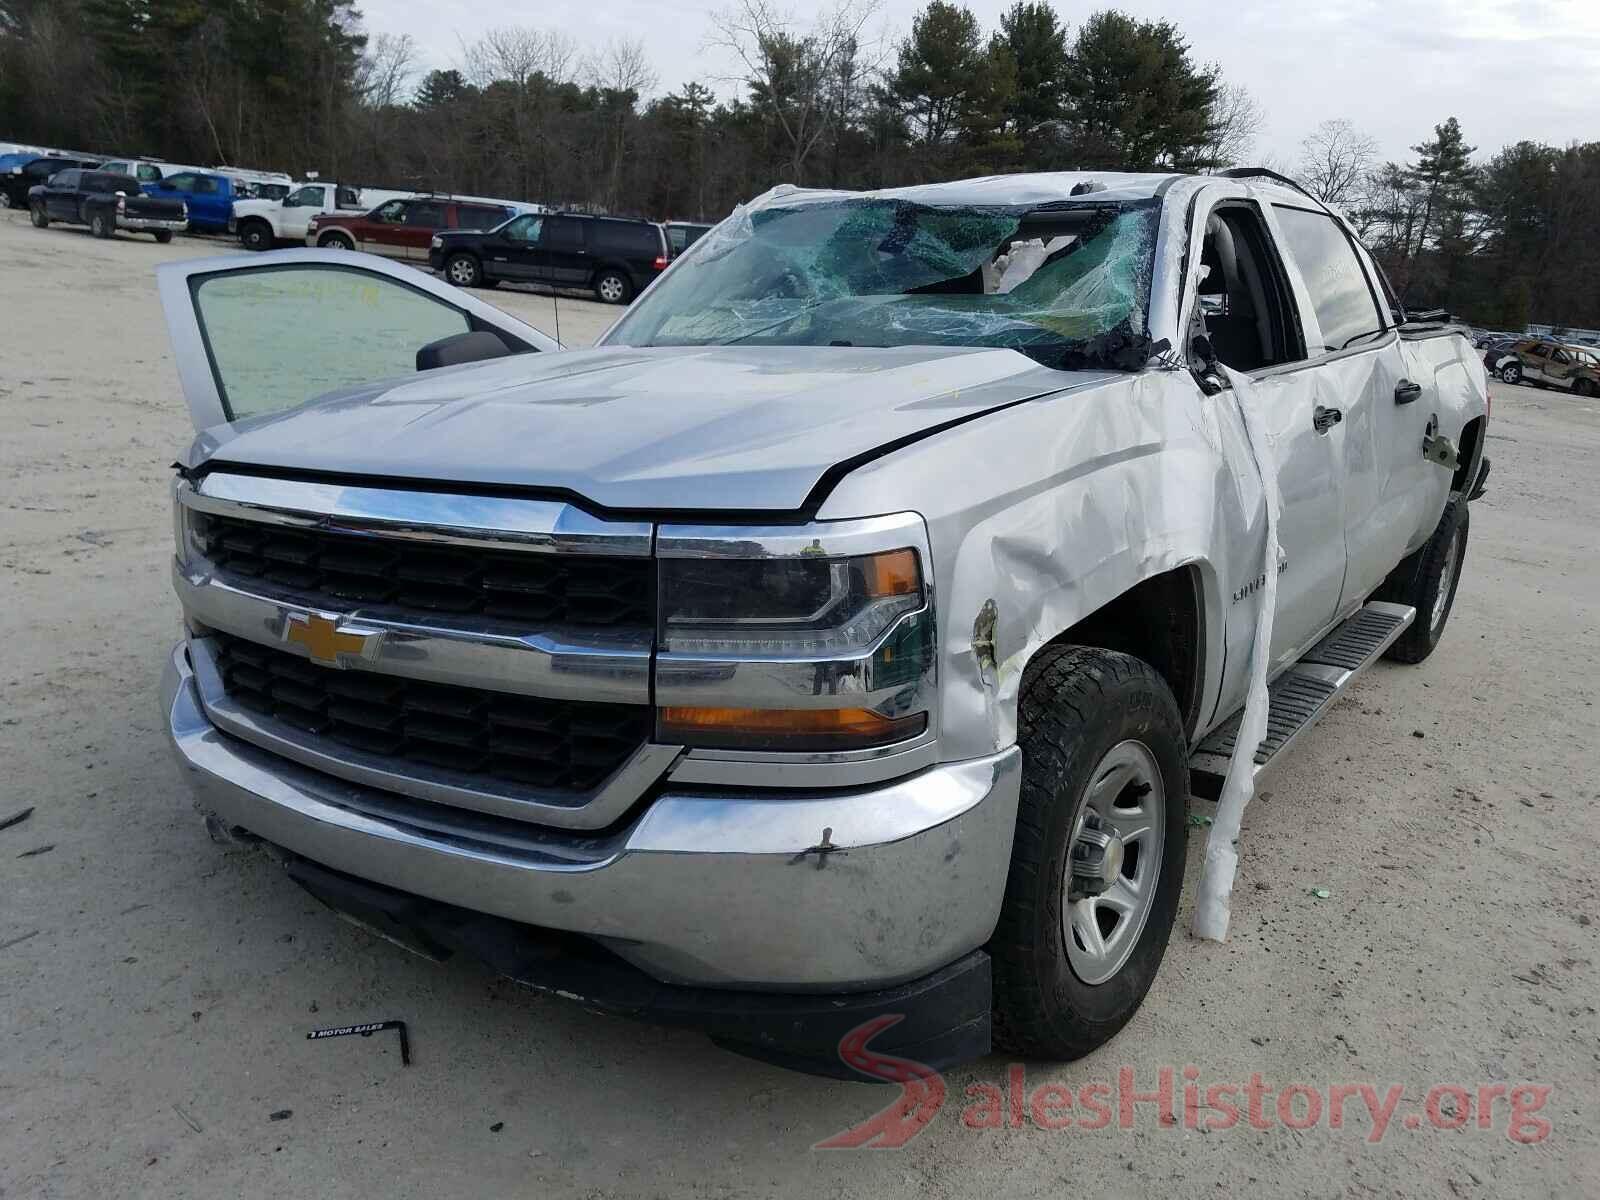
(824, 100)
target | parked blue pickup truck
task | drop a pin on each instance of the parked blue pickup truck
(209, 197)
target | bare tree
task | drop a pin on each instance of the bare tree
(1236, 121)
(520, 71)
(793, 72)
(1336, 162)
(621, 72)
(383, 79)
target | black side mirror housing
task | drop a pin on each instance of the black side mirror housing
(474, 346)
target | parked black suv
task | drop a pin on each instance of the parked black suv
(14, 184)
(615, 256)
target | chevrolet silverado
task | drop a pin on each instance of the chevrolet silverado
(839, 642)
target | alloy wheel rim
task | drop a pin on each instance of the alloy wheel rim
(1125, 802)
(611, 288)
(460, 272)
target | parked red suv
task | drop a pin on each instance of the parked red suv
(402, 228)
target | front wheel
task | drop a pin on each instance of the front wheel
(100, 225)
(463, 270)
(255, 235)
(39, 217)
(1097, 862)
(1427, 580)
(1511, 373)
(5, 200)
(613, 287)
(163, 236)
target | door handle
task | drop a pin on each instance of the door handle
(1405, 391)
(1325, 419)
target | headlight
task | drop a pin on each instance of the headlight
(784, 641)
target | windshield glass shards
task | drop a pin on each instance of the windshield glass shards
(1068, 285)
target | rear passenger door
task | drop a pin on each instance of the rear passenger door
(1365, 376)
(421, 220)
(563, 257)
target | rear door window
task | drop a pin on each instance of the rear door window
(1341, 295)
(563, 233)
(477, 216)
(426, 214)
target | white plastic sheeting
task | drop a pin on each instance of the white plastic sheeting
(1212, 906)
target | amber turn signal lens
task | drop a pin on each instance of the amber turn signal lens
(787, 728)
(892, 574)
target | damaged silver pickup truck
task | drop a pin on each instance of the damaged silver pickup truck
(836, 645)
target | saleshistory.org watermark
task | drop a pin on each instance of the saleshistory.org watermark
(1176, 1097)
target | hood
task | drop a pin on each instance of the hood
(724, 428)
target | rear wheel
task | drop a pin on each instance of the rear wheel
(1427, 580)
(163, 236)
(1511, 373)
(5, 200)
(463, 270)
(39, 216)
(1097, 862)
(1586, 387)
(100, 225)
(337, 241)
(613, 287)
(255, 235)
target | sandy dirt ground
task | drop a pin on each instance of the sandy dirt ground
(155, 989)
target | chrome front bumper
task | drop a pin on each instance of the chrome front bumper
(753, 889)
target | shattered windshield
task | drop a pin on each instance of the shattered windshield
(1068, 285)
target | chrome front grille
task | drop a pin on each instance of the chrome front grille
(506, 642)
(339, 568)
(470, 733)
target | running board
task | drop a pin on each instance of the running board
(1299, 697)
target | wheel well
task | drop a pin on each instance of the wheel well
(1467, 457)
(1158, 620)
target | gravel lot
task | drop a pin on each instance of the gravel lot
(155, 989)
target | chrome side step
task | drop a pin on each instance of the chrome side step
(1299, 697)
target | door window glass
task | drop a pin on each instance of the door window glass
(148, 174)
(428, 216)
(469, 216)
(524, 229)
(67, 180)
(181, 183)
(281, 336)
(204, 185)
(391, 212)
(306, 197)
(563, 233)
(1243, 307)
(1340, 294)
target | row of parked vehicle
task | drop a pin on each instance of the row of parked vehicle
(474, 241)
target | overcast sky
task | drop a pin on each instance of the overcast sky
(1395, 68)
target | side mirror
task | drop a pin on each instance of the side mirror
(475, 346)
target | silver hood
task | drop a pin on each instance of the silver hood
(718, 428)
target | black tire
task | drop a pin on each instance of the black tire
(162, 235)
(1427, 581)
(613, 287)
(337, 241)
(1078, 706)
(1511, 372)
(40, 218)
(1585, 387)
(256, 235)
(463, 270)
(100, 225)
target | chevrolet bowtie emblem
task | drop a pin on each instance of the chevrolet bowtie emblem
(327, 641)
